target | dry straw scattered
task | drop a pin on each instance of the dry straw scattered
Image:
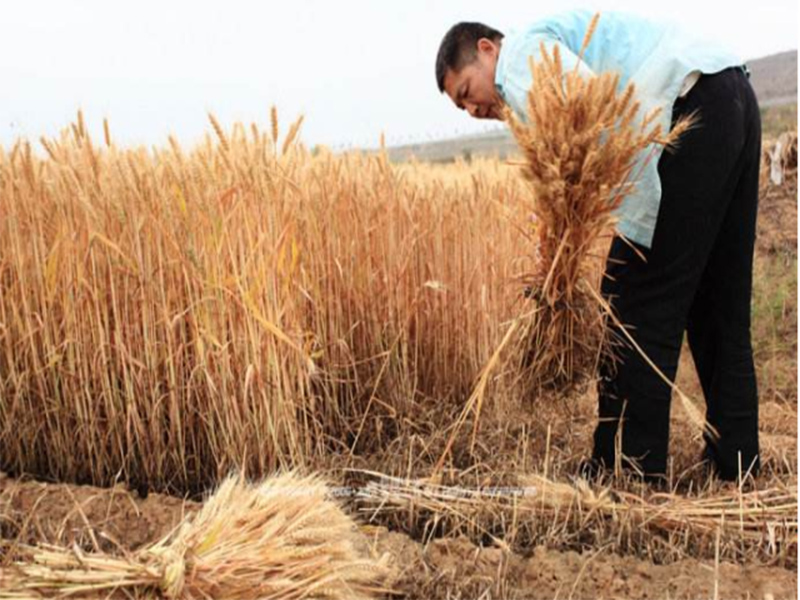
(758, 524)
(283, 538)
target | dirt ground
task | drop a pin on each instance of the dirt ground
(117, 520)
(464, 570)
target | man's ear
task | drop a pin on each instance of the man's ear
(485, 45)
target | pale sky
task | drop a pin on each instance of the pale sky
(354, 68)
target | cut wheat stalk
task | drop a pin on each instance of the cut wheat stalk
(583, 142)
(762, 520)
(283, 538)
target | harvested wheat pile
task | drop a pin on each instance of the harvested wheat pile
(279, 539)
(581, 143)
(731, 522)
(779, 159)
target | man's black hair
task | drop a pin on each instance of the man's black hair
(460, 46)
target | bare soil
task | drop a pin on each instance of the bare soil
(464, 570)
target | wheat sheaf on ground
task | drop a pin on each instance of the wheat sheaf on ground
(282, 538)
(584, 145)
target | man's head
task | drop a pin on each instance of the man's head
(465, 68)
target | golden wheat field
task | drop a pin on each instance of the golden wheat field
(174, 315)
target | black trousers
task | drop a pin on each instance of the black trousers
(697, 277)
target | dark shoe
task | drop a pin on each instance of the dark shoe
(727, 472)
(594, 470)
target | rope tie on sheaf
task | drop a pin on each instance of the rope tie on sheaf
(171, 562)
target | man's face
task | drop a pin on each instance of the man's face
(472, 88)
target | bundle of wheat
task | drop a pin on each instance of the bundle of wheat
(781, 158)
(750, 516)
(280, 539)
(760, 522)
(584, 143)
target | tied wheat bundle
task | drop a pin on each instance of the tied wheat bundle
(280, 539)
(584, 143)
